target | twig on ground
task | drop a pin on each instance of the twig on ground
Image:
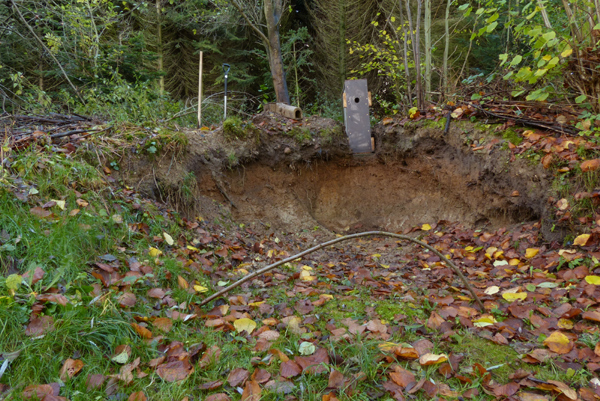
(345, 238)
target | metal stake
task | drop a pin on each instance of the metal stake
(226, 69)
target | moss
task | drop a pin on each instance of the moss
(328, 135)
(512, 136)
(235, 129)
(300, 134)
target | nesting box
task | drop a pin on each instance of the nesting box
(357, 100)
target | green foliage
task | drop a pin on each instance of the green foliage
(235, 129)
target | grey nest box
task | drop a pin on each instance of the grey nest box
(357, 100)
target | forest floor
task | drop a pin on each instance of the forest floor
(112, 237)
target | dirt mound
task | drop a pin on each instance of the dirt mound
(296, 175)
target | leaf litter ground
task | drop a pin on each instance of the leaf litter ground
(100, 290)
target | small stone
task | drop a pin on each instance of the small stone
(287, 151)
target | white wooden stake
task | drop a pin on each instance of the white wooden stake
(200, 93)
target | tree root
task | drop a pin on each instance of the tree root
(345, 238)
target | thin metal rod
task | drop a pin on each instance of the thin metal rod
(345, 238)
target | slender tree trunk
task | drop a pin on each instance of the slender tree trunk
(572, 23)
(161, 80)
(342, 55)
(428, 49)
(420, 97)
(272, 14)
(597, 3)
(405, 52)
(547, 23)
(445, 86)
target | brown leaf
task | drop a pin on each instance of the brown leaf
(157, 293)
(525, 396)
(261, 376)
(213, 354)
(395, 390)
(402, 377)
(251, 391)
(163, 323)
(269, 335)
(238, 377)
(314, 363)
(182, 283)
(289, 369)
(506, 390)
(435, 321)
(137, 396)
(174, 371)
(51, 297)
(376, 326)
(142, 331)
(406, 352)
(94, 382)
(423, 346)
(590, 165)
(559, 343)
(37, 391)
(39, 212)
(304, 307)
(38, 274)
(40, 325)
(70, 368)
(218, 397)
(213, 385)
(127, 300)
(591, 315)
(336, 379)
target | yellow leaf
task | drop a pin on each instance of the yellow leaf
(245, 324)
(463, 298)
(168, 239)
(483, 321)
(595, 280)
(581, 240)
(59, 203)
(425, 227)
(153, 252)
(514, 262)
(200, 289)
(192, 248)
(307, 268)
(182, 283)
(567, 52)
(469, 249)
(431, 359)
(256, 303)
(305, 276)
(492, 290)
(326, 296)
(531, 252)
(513, 296)
(565, 324)
(387, 346)
(376, 255)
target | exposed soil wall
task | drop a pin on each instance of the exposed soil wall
(417, 175)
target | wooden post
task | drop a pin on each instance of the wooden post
(200, 93)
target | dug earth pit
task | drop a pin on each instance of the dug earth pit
(417, 175)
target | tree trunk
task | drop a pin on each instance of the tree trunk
(427, 21)
(161, 80)
(547, 23)
(272, 14)
(420, 97)
(445, 86)
(342, 54)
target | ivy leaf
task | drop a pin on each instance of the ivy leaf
(580, 99)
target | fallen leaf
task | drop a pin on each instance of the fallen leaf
(559, 343)
(137, 396)
(218, 397)
(432, 359)
(163, 323)
(39, 325)
(492, 290)
(182, 283)
(513, 296)
(244, 324)
(251, 391)
(37, 391)
(153, 252)
(174, 371)
(237, 377)
(70, 368)
(142, 331)
(336, 379)
(581, 240)
(531, 252)
(402, 377)
(168, 239)
(425, 227)
(307, 348)
(95, 381)
(590, 165)
(289, 369)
